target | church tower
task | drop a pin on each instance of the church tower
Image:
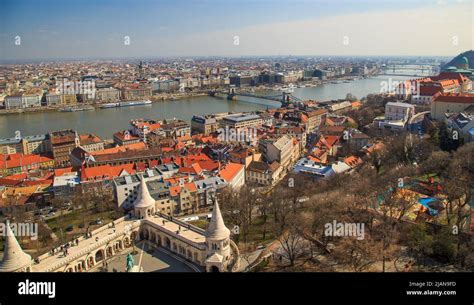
(14, 259)
(217, 242)
(144, 206)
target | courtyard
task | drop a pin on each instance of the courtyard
(152, 260)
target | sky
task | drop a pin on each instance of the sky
(58, 29)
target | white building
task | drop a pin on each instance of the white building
(126, 187)
(14, 102)
(31, 100)
(277, 149)
(241, 121)
(397, 115)
(207, 188)
(64, 185)
(233, 174)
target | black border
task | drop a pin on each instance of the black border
(236, 288)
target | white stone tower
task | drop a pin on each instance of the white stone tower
(217, 242)
(14, 259)
(144, 206)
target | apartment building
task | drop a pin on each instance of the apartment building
(204, 124)
(62, 143)
(90, 142)
(397, 115)
(108, 95)
(126, 187)
(37, 144)
(22, 100)
(262, 173)
(241, 121)
(278, 149)
(450, 103)
(233, 174)
(207, 189)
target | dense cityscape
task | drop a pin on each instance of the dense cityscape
(242, 158)
(241, 164)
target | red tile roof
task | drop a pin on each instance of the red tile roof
(194, 169)
(462, 98)
(118, 149)
(326, 142)
(230, 170)
(105, 172)
(62, 171)
(175, 190)
(121, 136)
(450, 75)
(89, 139)
(17, 160)
(353, 161)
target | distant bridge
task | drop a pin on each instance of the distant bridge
(285, 97)
(405, 74)
(398, 70)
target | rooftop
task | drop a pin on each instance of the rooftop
(241, 117)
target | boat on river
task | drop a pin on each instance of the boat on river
(125, 104)
(75, 109)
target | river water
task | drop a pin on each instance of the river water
(104, 122)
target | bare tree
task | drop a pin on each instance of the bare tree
(291, 242)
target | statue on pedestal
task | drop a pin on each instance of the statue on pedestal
(130, 263)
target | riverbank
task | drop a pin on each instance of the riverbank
(105, 122)
(155, 99)
(164, 97)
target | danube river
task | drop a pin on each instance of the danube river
(104, 122)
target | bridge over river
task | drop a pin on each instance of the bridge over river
(415, 70)
(234, 92)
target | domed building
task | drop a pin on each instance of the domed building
(463, 63)
(14, 258)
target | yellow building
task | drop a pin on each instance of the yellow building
(68, 99)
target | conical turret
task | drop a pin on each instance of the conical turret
(14, 258)
(217, 229)
(144, 199)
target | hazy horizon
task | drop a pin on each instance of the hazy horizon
(97, 30)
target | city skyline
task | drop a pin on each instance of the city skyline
(246, 28)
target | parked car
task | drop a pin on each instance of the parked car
(98, 221)
(69, 228)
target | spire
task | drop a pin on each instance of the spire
(144, 199)
(13, 256)
(217, 229)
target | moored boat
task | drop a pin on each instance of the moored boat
(74, 109)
